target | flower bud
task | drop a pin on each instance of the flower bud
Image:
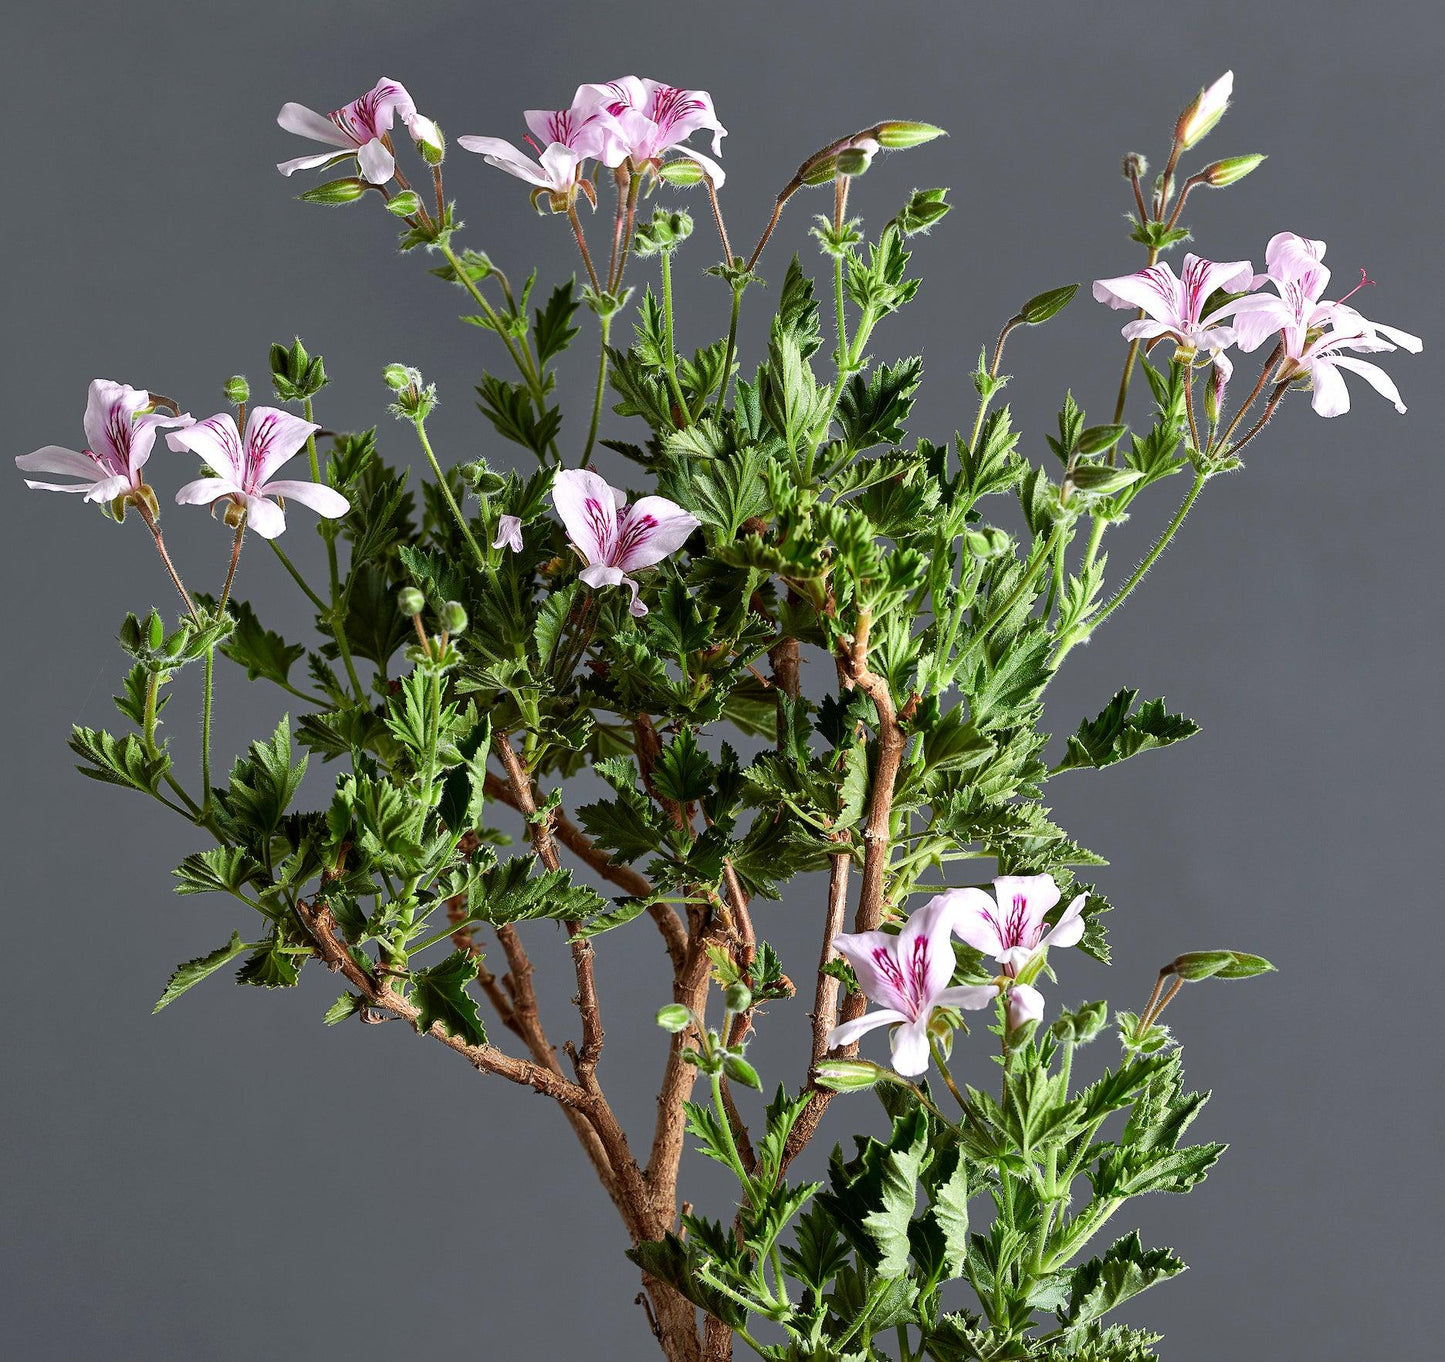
(921, 211)
(236, 389)
(1231, 169)
(1214, 396)
(738, 997)
(403, 205)
(336, 192)
(682, 173)
(856, 159)
(410, 601)
(1042, 306)
(847, 1075)
(674, 1017)
(899, 136)
(740, 1071)
(399, 377)
(1207, 109)
(452, 617)
(1135, 166)
(428, 139)
(819, 170)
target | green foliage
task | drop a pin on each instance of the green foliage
(1117, 734)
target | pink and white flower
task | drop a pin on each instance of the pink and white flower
(509, 533)
(1314, 331)
(357, 129)
(241, 469)
(563, 139)
(120, 430)
(1174, 305)
(1009, 924)
(908, 977)
(613, 538)
(653, 119)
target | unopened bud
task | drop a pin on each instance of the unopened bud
(1207, 109)
(738, 997)
(236, 389)
(428, 138)
(922, 210)
(740, 1071)
(856, 159)
(899, 136)
(987, 543)
(674, 1017)
(819, 170)
(1231, 169)
(682, 173)
(452, 617)
(1135, 166)
(847, 1075)
(1042, 306)
(403, 205)
(336, 192)
(399, 377)
(1214, 396)
(410, 601)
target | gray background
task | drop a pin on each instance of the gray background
(233, 1181)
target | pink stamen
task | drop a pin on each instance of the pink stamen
(1365, 282)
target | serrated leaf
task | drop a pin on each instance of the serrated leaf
(1116, 734)
(192, 972)
(440, 994)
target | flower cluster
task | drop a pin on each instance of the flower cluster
(360, 129)
(910, 974)
(121, 424)
(1211, 306)
(630, 123)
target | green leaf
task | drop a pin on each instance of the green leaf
(872, 411)
(343, 1009)
(1116, 734)
(1099, 1285)
(683, 771)
(118, 761)
(227, 869)
(552, 327)
(260, 651)
(193, 971)
(440, 994)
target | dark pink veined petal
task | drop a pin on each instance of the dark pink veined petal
(587, 506)
(974, 919)
(216, 442)
(1156, 290)
(110, 412)
(649, 531)
(272, 437)
(872, 956)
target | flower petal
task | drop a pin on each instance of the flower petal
(204, 491)
(1025, 1004)
(325, 501)
(216, 442)
(325, 158)
(587, 506)
(1069, 929)
(910, 1048)
(975, 919)
(266, 518)
(509, 533)
(650, 530)
(967, 997)
(55, 459)
(272, 437)
(504, 156)
(598, 575)
(849, 1031)
(874, 958)
(1156, 290)
(106, 490)
(376, 163)
(306, 122)
(925, 950)
(1331, 397)
(1375, 376)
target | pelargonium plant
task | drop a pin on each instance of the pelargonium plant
(800, 640)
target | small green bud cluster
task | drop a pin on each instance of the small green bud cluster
(295, 374)
(666, 232)
(236, 390)
(415, 400)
